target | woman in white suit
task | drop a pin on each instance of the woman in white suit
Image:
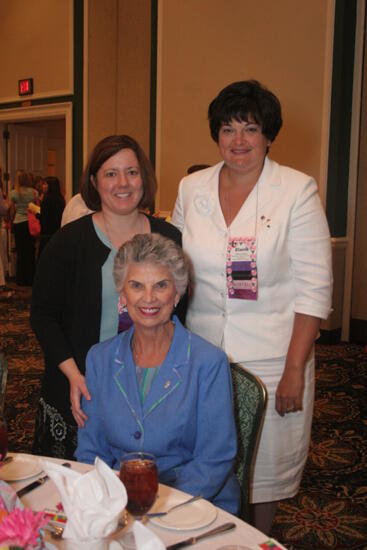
(259, 243)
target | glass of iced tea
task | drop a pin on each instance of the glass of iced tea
(139, 474)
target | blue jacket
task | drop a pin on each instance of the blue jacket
(186, 421)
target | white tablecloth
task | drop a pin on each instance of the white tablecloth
(47, 496)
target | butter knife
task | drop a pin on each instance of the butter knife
(193, 540)
(161, 514)
(40, 481)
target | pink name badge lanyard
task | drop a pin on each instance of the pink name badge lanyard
(242, 266)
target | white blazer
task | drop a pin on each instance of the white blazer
(293, 260)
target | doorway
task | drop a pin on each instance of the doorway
(40, 140)
(37, 147)
(37, 121)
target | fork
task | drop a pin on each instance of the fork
(160, 514)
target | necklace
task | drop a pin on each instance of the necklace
(140, 229)
(228, 206)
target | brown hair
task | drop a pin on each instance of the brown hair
(23, 179)
(105, 149)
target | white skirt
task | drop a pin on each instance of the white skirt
(284, 442)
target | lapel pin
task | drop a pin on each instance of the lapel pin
(167, 384)
(265, 221)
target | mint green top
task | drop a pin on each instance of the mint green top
(110, 316)
(145, 378)
(21, 200)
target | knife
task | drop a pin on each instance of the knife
(172, 508)
(40, 481)
(193, 540)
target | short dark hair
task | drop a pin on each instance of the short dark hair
(244, 100)
(105, 149)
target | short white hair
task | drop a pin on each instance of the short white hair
(154, 249)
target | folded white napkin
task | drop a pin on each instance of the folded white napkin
(93, 501)
(9, 497)
(145, 539)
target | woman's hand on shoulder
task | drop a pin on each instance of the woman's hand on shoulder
(78, 388)
(289, 393)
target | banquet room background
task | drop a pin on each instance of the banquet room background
(149, 68)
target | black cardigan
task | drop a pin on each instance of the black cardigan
(67, 300)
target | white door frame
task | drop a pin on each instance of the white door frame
(50, 110)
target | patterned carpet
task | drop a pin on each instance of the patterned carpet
(330, 510)
(25, 366)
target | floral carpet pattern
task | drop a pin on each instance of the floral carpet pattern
(25, 368)
(330, 510)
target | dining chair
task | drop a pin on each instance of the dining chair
(3, 381)
(249, 394)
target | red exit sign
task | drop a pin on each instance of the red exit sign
(25, 86)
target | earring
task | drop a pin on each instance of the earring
(121, 305)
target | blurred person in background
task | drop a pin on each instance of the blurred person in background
(40, 185)
(52, 207)
(25, 244)
(74, 209)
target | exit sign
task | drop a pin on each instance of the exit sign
(25, 86)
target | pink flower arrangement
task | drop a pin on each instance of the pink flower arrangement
(21, 528)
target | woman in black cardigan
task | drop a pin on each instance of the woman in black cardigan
(74, 302)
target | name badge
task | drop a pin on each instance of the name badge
(242, 268)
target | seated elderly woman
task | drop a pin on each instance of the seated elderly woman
(159, 388)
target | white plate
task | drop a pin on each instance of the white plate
(21, 467)
(196, 515)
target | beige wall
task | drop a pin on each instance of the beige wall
(206, 44)
(202, 46)
(36, 41)
(118, 70)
